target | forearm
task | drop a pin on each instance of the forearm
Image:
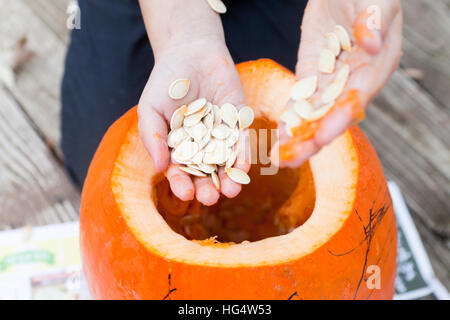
(169, 22)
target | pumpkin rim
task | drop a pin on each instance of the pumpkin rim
(133, 170)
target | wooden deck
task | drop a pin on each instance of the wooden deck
(409, 123)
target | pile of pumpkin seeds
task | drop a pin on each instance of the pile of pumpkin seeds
(203, 137)
(304, 89)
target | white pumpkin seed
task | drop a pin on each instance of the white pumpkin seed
(232, 138)
(344, 38)
(195, 118)
(333, 43)
(221, 131)
(291, 118)
(246, 117)
(179, 89)
(217, 116)
(176, 136)
(207, 168)
(237, 175)
(177, 118)
(195, 106)
(193, 171)
(205, 140)
(198, 158)
(342, 75)
(304, 88)
(210, 146)
(220, 152)
(215, 180)
(218, 6)
(327, 61)
(322, 111)
(331, 93)
(229, 114)
(231, 159)
(185, 151)
(208, 121)
(197, 132)
(303, 108)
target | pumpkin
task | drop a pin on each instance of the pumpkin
(323, 231)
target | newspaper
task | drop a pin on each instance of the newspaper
(45, 262)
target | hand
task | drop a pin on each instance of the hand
(212, 74)
(375, 56)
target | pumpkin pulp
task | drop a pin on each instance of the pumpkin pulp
(258, 212)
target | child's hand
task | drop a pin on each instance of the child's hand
(212, 74)
(375, 55)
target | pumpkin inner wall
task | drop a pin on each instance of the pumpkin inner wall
(263, 209)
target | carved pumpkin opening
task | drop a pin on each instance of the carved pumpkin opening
(260, 211)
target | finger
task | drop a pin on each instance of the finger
(153, 130)
(373, 22)
(180, 183)
(228, 187)
(206, 192)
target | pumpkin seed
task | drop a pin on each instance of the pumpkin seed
(215, 180)
(327, 61)
(232, 138)
(177, 118)
(205, 140)
(176, 136)
(321, 112)
(342, 74)
(237, 175)
(291, 118)
(221, 131)
(304, 88)
(208, 121)
(333, 43)
(197, 132)
(344, 38)
(304, 109)
(210, 146)
(198, 158)
(229, 114)
(246, 117)
(185, 151)
(195, 118)
(193, 171)
(195, 106)
(207, 168)
(217, 116)
(179, 89)
(220, 152)
(231, 159)
(218, 6)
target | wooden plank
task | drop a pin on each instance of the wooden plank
(427, 46)
(34, 189)
(38, 82)
(53, 14)
(410, 133)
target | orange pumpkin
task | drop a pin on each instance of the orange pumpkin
(324, 231)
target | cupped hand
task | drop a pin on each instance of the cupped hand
(212, 74)
(375, 27)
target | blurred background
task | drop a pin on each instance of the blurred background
(409, 122)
